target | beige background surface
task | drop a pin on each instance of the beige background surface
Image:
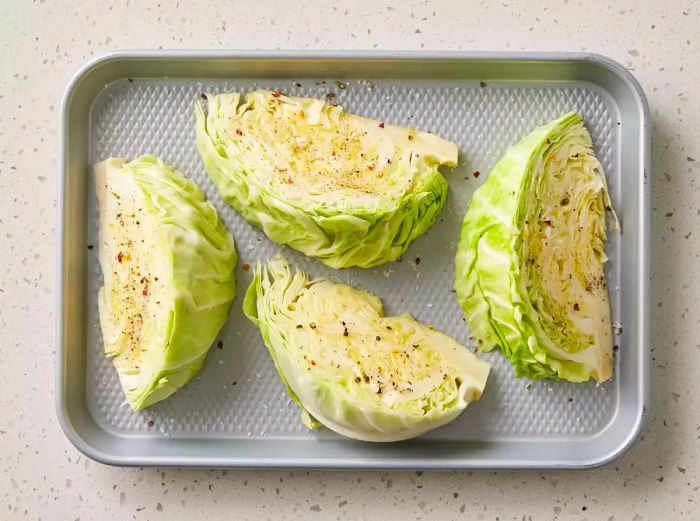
(42, 43)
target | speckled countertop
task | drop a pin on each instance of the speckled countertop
(43, 477)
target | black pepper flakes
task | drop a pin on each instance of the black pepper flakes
(220, 344)
(312, 325)
(417, 261)
(377, 338)
(345, 332)
(203, 96)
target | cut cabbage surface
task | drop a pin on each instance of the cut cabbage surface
(529, 268)
(354, 370)
(168, 266)
(348, 190)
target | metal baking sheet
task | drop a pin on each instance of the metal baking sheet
(236, 413)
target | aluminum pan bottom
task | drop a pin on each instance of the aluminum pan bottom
(237, 407)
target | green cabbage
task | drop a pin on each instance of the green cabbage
(168, 263)
(348, 190)
(350, 368)
(529, 268)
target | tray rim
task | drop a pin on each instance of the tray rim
(431, 463)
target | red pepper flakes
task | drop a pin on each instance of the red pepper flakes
(120, 257)
(145, 292)
(239, 132)
(290, 181)
(577, 307)
(333, 153)
(151, 423)
(381, 124)
(477, 174)
(246, 267)
(276, 94)
(370, 167)
(313, 362)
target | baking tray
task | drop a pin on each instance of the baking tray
(236, 413)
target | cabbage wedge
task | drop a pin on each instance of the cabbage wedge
(529, 268)
(348, 190)
(353, 370)
(168, 263)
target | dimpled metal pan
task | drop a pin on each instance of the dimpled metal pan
(236, 413)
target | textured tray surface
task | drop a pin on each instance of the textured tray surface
(238, 394)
